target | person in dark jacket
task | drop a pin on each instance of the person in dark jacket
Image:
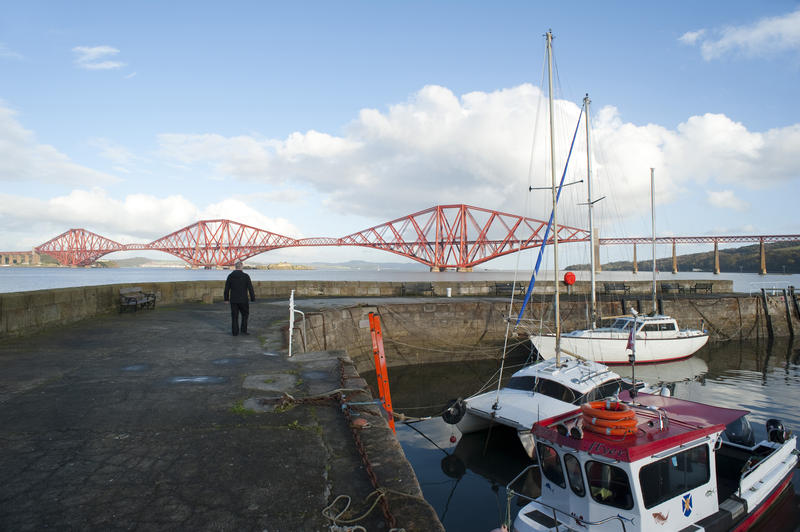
(237, 287)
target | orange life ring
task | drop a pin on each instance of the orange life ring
(610, 410)
(610, 423)
(608, 431)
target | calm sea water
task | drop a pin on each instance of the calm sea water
(13, 279)
(465, 482)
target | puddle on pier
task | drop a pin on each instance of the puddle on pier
(200, 379)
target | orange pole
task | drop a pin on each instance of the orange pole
(375, 355)
(380, 367)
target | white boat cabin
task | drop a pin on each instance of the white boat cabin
(673, 471)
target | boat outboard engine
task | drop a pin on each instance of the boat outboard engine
(740, 432)
(775, 431)
(455, 411)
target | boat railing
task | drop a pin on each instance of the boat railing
(510, 494)
(769, 287)
(663, 418)
(593, 374)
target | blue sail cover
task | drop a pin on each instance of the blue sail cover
(549, 224)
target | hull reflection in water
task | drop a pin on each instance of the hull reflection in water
(496, 456)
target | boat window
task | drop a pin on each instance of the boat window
(609, 485)
(608, 389)
(621, 324)
(650, 327)
(669, 326)
(551, 465)
(574, 475)
(555, 390)
(674, 475)
(526, 383)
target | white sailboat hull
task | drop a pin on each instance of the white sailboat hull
(611, 347)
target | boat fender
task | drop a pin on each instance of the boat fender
(454, 412)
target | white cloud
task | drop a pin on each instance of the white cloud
(23, 159)
(119, 155)
(8, 53)
(766, 36)
(96, 57)
(691, 37)
(134, 218)
(726, 199)
(239, 211)
(438, 148)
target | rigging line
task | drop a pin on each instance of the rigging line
(427, 438)
(403, 323)
(549, 223)
(516, 267)
(472, 349)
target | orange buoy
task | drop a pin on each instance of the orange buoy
(609, 431)
(610, 410)
(612, 423)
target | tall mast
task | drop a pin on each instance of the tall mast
(553, 178)
(653, 220)
(586, 102)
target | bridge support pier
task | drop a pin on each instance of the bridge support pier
(674, 257)
(635, 263)
(716, 257)
(762, 254)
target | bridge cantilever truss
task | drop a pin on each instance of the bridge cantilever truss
(441, 237)
(219, 242)
(78, 247)
(458, 236)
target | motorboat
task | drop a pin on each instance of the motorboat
(658, 339)
(655, 463)
(535, 392)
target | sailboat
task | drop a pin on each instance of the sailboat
(658, 337)
(548, 387)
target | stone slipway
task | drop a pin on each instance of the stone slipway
(161, 420)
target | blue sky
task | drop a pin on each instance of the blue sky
(324, 118)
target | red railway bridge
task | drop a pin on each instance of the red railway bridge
(443, 237)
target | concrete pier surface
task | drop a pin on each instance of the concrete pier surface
(161, 420)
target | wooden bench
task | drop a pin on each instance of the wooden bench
(133, 298)
(672, 287)
(705, 287)
(616, 287)
(417, 289)
(505, 289)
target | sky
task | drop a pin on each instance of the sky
(320, 119)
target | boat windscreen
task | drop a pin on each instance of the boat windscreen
(556, 390)
(526, 383)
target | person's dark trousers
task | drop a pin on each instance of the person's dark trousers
(244, 309)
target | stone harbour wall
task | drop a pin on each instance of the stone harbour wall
(449, 330)
(474, 311)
